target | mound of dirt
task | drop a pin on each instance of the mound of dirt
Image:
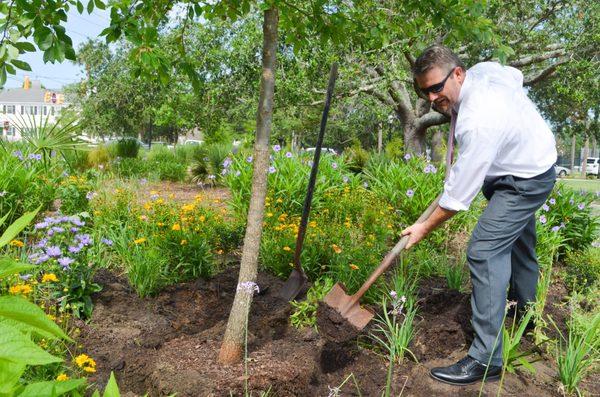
(170, 344)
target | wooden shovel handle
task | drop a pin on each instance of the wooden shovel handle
(389, 258)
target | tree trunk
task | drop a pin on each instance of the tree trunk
(233, 341)
(585, 156)
(436, 146)
(414, 140)
(573, 143)
(379, 137)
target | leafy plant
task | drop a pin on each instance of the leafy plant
(455, 276)
(583, 269)
(128, 147)
(577, 354)
(305, 311)
(19, 319)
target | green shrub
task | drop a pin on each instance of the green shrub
(171, 171)
(583, 269)
(98, 156)
(356, 157)
(305, 311)
(74, 193)
(131, 167)
(216, 154)
(160, 154)
(128, 148)
(394, 149)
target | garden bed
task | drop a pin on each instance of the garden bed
(170, 343)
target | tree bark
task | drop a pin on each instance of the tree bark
(436, 146)
(585, 156)
(233, 341)
(379, 138)
(573, 142)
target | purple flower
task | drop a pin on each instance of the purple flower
(238, 173)
(249, 159)
(25, 277)
(41, 259)
(545, 207)
(107, 241)
(143, 181)
(581, 206)
(571, 201)
(543, 219)
(345, 179)
(211, 177)
(430, 168)
(562, 224)
(58, 229)
(393, 294)
(42, 243)
(84, 239)
(555, 228)
(272, 170)
(90, 195)
(75, 249)
(334, 166)
(33, 156)
(18, 154)
(53, 251)
(248, 286)
(407, 156)
(410, 193)
(289, 155)
(50, 233)
(276, 148)
(227, 162)
(77, 222)
(552, 201)
(154, 197)
(224, 171)
(366, 185)
(65, 262)
(74, 229)
(41, 225)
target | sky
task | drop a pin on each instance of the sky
(79, 27)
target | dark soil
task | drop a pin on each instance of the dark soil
(170, 343)
(333, 326)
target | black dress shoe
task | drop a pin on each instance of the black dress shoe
(464, 372)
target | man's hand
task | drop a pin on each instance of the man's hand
(416, 232)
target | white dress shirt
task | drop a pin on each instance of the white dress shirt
(499, 132)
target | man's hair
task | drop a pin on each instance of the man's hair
(436, 55)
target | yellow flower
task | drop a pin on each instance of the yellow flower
(202, 218)
(23, 289)
(159, 201)
(49, 277)
(84, 361)
(176, 227)
(17, 243)
(188, 207)
(153, 192)
(62, 377)
(159, 224)
(139, 240)
(89, 369)
(269, 214)
(219, 252)
(183, 242)
(286, 248)
(171, 196)
(312, 224)
(336, 249)
(353, 266)
(279, 200)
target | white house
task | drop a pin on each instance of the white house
(17, 105)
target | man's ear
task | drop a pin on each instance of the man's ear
(460, 75)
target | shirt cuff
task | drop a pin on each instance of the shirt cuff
(452, 204)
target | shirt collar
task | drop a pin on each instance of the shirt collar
(464, 90)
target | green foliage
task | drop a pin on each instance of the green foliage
(132, 168)
(356, 157)
(394, 149)
(583, 269)
(512, 356)
(455, 276)
(128, 148)
(74, 193)
(305, 311)
(577, 354)
(171, 171)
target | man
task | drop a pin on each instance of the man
(507, 150)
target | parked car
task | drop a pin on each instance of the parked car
(193, 142)
(561, 171)
(323, 150)
(592, 166)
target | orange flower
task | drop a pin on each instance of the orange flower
(353, 266)
(176, 227)
(336, 249)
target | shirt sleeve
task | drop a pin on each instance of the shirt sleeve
(478, 149)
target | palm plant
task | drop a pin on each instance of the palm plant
(47, 138)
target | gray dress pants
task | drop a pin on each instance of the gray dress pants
(501, 254)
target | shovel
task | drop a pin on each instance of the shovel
(348, 305)
(297, 281)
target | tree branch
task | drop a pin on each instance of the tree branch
(534, 79)
(430, 119)
(528, 60)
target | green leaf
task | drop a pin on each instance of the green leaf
(23, 311)
(79, 6)
(17, 226)
(17, 347)
(51, 388)
(4, 219)
(44, 38)
(112, 389)
(100, 5)
(2, 75)
(25, 46)
(90, 6)
(10, 373)
(21, 65)
(9, 266)
(13, 52)
(10, 69)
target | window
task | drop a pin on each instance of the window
(45, 110)
(52, 110)
(22, 109)
(10, 131)
(10, 109)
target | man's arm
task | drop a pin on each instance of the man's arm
(419, 230)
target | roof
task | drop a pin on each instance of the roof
(35, 94)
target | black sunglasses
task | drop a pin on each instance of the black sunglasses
(435, 88)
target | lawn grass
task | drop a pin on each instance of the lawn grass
(588, 185)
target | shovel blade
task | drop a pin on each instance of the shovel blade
(294, 286)
(339, 300)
